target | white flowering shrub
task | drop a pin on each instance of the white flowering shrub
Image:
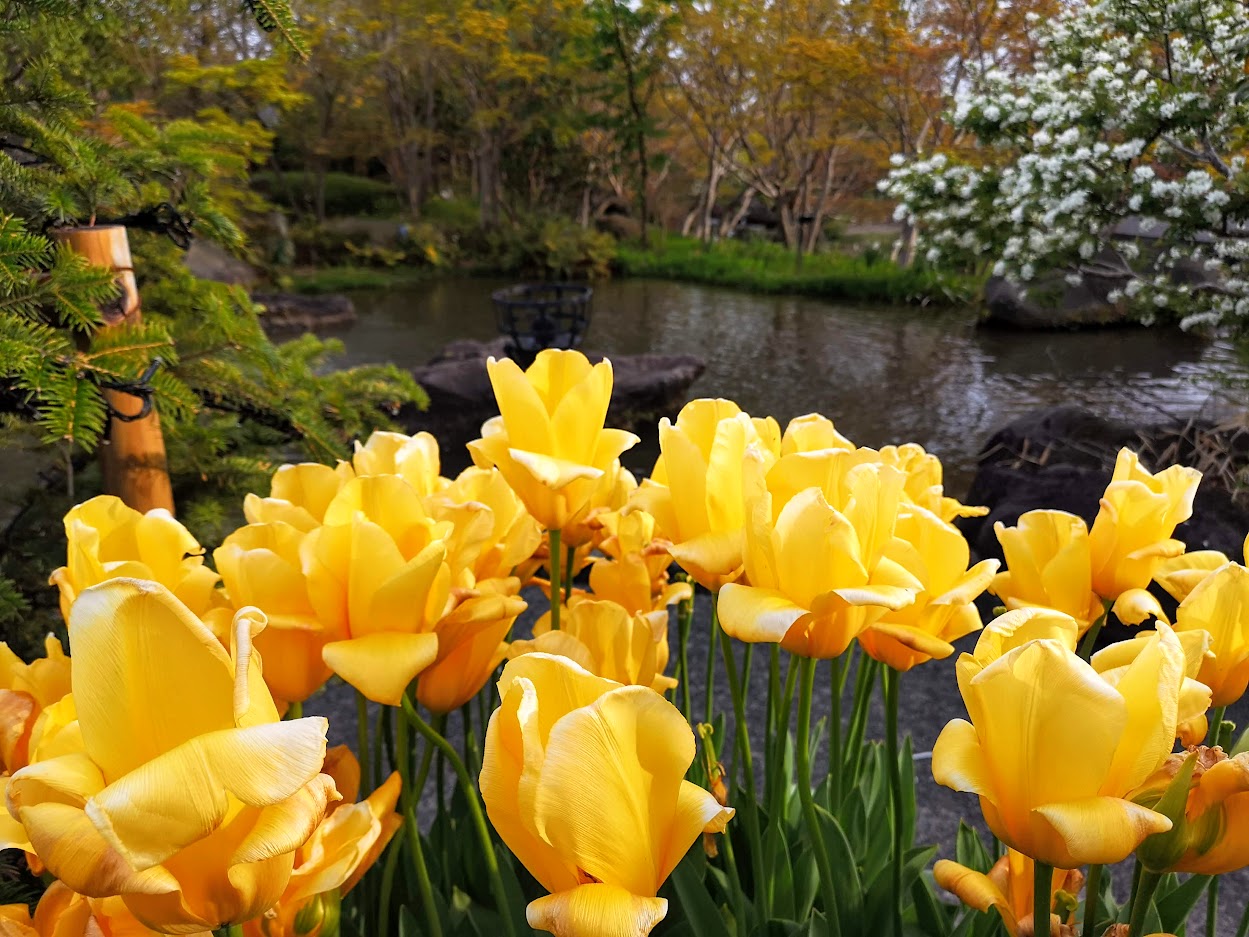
(1135, 109)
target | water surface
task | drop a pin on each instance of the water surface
(883, 374)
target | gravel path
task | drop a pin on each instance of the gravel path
(928, 699)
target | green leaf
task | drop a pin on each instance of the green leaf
(849, 886)
(700, 911)
(969, 851)
(933, 918)
(1174, 905)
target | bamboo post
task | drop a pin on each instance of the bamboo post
(132, 459)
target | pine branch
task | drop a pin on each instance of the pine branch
(276, 16)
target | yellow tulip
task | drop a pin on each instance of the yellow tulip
(108, 540)
(1132, 533)
(549, 441)
(470, 646)
(610, 494)
(924, 485)
(377, 574)
(815, 584)
(1219, 604)
(1034, 706)
(506, 547)
(811, 433)
(298, 495)
(188, 798)
(1112, 662)
(1179, 575)
(415, 457)
(261, 566)
(584, 780)
(342, 848)
(607, 640)
(1008, 889)
(696, 491)
(62, 913)
(634, 571)
(26, 690)
(937, 555)
(1048, 564)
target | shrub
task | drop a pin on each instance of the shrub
(345, 194)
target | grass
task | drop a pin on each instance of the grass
(341, 279)
(765, 267)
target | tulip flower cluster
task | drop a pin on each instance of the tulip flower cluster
(162, 777)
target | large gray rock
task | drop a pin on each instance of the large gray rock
(461, 398)
(1052, 303)
(208, 261)
(292, 312)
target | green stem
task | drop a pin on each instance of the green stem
(743, 757)
(863, 683)
(834, 735)
(424, 884)
(685, 619)
(388, 883)
(572, 555)
(730, 860)
(1092, 899)
(1212, 907)
(709, 685)
(777, 756)
(1090, 636)
(771, 773)
(362, 742)
(1215, 729)
(471, 757)
(1141, 903)
(806, 795)
(295, 710)
(378, 743)
(1042, 882)
(890, 685)
(553, 565)
(474, 808)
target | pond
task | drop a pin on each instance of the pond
(883, 374)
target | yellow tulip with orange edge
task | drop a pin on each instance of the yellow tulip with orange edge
(63, 913)
(260, 565)
(815, 584)
(109, 540)
(936, 553)
(345, 845)
(925, 487)
(1007, 888)
(1219, 605)
(1033, 706)
(26, 690)
(416, 458)
(634, 569)
(608, 640)
(584, 781)
(298, 495)
(697, 488)
(548, 440)
(188, 807)
(507, 547)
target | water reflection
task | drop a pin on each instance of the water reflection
(884, 375)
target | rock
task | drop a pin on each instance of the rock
(289, 312)
(461, 398)
(1053, 303)
(208, 261)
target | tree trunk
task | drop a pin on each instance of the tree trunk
(715, 172)
(821, 205)
(729, 224)
(903, 253)
(132, 460)
(488, 178)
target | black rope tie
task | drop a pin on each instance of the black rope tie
(141, 389)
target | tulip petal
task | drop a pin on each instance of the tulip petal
(958, 760)
(137, 651)
(619, 829)
(596, 910)
(974, 889)
(183, 795)
(1136, 606)
(1102, 830)
(285, 826)
(552, 472)
(382, 665)
(710, 557)
(756, 615)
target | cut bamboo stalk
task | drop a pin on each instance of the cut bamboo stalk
(132, 458)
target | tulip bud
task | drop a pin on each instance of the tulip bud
(319, 917)
(1161, 851)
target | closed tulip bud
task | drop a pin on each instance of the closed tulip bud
(298, 495)
(1218, 605)
(1008, 890)
(189, 806)
(607, 640)
(108, 540)
(696, 492)
(1029, 710)
(26, 690)
(936, 554)
(416, 458)
(377, 575)
(1132, 533)
(261, 566)
(584, 780)
(815, 584)
(548, 440)
(1048, 565)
